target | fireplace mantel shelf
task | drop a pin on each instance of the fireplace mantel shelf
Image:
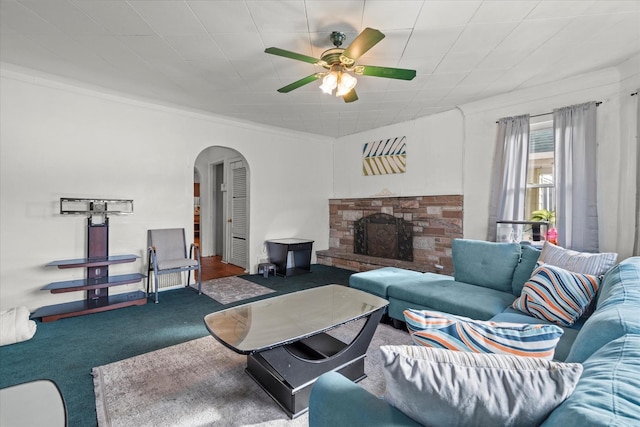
(358, 262)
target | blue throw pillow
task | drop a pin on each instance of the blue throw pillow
(524, 269)
(486, 264)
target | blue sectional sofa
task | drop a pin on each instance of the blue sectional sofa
(488, 279)
(493, 273)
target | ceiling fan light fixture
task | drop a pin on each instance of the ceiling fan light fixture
(341, 65)
(346, 83)
(329, 82)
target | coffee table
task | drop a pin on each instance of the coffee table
(286, 343)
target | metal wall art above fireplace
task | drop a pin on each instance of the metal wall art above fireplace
(383, 235)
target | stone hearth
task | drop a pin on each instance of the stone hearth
(435, 222)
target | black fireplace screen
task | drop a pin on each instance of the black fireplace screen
(383, 235)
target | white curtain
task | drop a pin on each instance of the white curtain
(509, 180)
(575, 176)
(636, 243)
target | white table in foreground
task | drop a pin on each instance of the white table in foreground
(36, 403)
(285, 341)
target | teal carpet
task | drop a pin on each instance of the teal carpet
(65, 351)
(321, 275)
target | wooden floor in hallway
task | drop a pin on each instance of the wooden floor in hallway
(214, 268)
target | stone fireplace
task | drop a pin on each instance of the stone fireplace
(422, 227)
(383, 235)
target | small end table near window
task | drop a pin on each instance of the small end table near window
(534, 232)
(278, 250)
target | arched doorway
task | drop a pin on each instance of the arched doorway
(224, 205)
(196, 207)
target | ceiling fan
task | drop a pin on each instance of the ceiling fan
(340, 62)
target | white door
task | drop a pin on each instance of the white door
(239, 214)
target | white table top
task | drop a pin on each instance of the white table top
(36, 403)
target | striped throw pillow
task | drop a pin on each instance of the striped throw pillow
(595, 264)
(447, 331)
(557, 295)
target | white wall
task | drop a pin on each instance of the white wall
(58, 141)
(434, 159)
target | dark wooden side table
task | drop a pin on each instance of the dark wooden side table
(278, 250)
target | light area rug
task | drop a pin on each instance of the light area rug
(231, 289)
(202, 383)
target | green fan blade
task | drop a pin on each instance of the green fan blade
(291, 55)
(351, 96)
(367, 39)
(301, 82)
(390, 73)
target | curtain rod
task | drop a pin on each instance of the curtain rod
(546, 114)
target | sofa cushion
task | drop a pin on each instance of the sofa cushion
(595, 264)
(450, 296)
(442, 388)
(442, 330)
(524, 269)
(621, 284)
(608, 391)
(338, 401)
(616, 313)
(377, 281)
(557, 295)
(564, 343)
(487, 264)
(605, 324)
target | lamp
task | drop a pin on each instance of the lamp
(339, 79)
(346, 82)
(329, 82)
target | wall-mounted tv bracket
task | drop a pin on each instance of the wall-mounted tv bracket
(98, 207)
(97, 281)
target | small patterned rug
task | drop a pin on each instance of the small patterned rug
(231, 289)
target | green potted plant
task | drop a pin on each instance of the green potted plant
(544, 215)
(550, 217)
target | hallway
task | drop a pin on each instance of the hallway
(214, 268)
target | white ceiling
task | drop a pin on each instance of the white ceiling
(209, 54)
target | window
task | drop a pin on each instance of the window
(544, 182)
(540, 191)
